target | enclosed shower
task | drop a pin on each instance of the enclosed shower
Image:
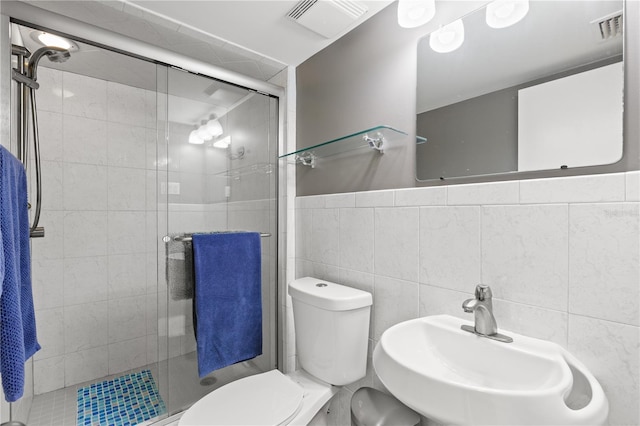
(105, 137)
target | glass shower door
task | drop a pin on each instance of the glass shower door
(216, 172)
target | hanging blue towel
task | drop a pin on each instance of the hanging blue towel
(17, 320)
(228, 298)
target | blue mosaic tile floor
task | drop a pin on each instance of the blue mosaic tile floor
(124, 401)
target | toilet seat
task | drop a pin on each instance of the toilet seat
(269, 398)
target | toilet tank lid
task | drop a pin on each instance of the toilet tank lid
(327, 295)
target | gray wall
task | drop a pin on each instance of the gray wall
(364, 79)
(473, 137)
(368, 77)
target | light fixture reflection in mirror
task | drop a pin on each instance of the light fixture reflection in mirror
(475, 104)
(448, 38)
(504, 13)
(205, 132)
(194, 138)
(223, 143)
(414, 13)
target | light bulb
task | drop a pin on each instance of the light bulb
(214, 128)
(448, 38)
(53, 40)
(504, 13)
(413, 13)
(223, 143)
(203, 133)
(194, 138)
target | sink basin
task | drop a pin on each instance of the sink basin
(455, 377)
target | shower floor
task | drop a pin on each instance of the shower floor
(59, 407)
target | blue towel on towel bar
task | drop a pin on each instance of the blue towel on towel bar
(228, 298)
(17, 320)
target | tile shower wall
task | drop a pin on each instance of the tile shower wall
(94, 274)
(561, 256)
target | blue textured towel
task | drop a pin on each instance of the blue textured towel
(228, 298)
(17, 320)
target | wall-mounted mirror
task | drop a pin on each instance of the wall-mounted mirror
(544, 93)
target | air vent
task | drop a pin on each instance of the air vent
(300, 8)
(328, 17)
(609, 26)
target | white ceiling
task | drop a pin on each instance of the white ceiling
(251, 37)
(260, 26)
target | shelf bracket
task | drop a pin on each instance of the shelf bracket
(376, 142)
(307, 159)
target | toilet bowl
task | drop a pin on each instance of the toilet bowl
(331, 329)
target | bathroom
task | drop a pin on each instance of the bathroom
(560, 251)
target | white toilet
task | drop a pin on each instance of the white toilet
(332, 329)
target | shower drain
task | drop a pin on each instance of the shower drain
(208, 381)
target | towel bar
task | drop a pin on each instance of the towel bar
(187, 238)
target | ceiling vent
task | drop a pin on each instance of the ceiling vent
(326, 17)
(609, 26)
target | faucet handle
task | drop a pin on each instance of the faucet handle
(483, 292)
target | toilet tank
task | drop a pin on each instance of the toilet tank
(331, 324)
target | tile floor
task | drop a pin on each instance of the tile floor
(127, 400)
(59, 408)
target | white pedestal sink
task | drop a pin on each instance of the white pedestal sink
(455, 377)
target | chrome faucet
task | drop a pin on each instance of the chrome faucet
(482, 308)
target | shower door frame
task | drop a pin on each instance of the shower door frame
(23, 13)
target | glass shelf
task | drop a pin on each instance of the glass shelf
(377, 138)
(264, 168)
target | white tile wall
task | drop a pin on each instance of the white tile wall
(53, 174)
(51, 143)
(603, 260)
(85, 326)
(561, 255)
(356, 239)
(84, 140)
(127, 145)
(47, 280)
(525, 253)
(88, 97)
(450, 246)
(48, 374)
(94, 275)
(610, 350)
(77, 288)
(396, 242)
(85, 187)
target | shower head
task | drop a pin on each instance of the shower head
(59, 56)
(55, 54)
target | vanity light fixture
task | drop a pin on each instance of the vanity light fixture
(194, 138)
(504, 13)
(207, 131)
(223, 143)
(414, 13)
(214, 128)
(448, 38)
(203, 133)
